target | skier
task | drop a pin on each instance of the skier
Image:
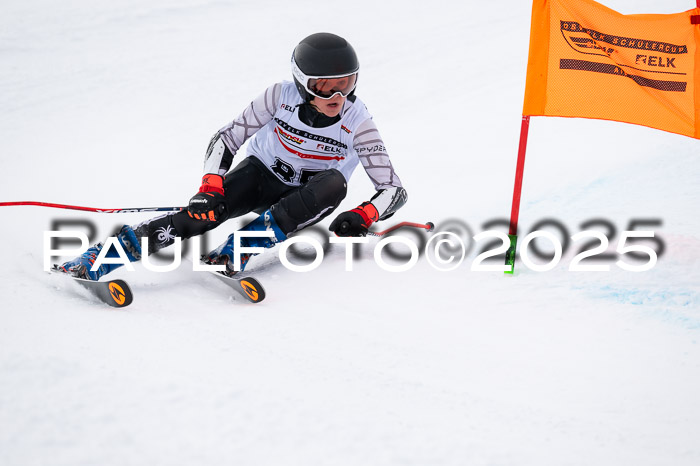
(307, 138)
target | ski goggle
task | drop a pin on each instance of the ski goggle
(325, 87)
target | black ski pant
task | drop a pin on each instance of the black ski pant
(252, 187)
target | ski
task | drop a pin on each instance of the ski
(248, 287)
(115, 293)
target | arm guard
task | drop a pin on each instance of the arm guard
(388, 201)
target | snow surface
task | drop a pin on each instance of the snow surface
(111, 104)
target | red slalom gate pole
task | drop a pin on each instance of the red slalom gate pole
(517, 189)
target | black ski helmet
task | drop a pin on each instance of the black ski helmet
(323, 54)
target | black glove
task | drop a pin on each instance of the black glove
(355, 222)
(209, 203)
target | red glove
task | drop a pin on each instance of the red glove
(355, 222)
(209, 203)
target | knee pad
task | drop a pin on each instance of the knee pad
(311, 202)
(329, 187)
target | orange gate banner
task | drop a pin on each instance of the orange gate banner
(589, 61)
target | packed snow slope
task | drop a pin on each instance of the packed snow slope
(111, 105)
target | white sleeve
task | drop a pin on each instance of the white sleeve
(374, 157)
(231, 137)
(391, 195)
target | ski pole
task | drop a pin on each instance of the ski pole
(345, 226)
(429, 226)
(93, 209)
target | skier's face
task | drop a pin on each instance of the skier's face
(329, 107)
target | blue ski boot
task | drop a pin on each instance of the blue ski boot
(81, 265)
(224, 253)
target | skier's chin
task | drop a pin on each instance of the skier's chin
(330, 108)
